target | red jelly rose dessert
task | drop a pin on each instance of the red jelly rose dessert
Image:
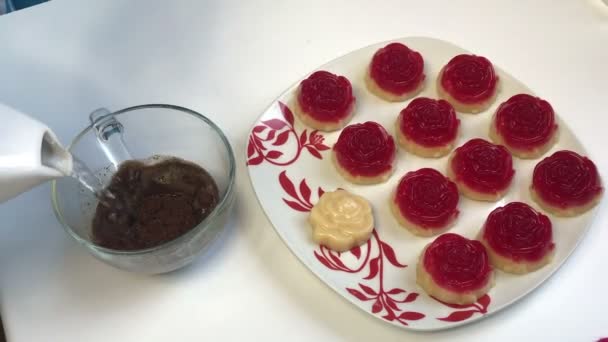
(455, 270)
(425, 202)
(396, 73)
(428, 127)
(525, 125)
(566, 184)
(364, 153)
(469, 83)
(325, 101)
(483, 171)
(518, 238)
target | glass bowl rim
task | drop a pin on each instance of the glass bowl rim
(203, 225)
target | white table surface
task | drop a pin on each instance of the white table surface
(230, 59)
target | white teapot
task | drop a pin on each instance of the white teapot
(30, 154)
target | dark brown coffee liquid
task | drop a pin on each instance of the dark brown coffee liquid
(153, 204)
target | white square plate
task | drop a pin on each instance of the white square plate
(288, 163)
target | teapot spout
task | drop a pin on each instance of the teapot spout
(29, 154)
(54, 156)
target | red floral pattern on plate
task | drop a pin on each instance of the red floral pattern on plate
(371, 255)
(465, 312)
(273, 133)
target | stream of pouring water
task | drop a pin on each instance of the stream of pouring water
(89, 181)
(54, 156)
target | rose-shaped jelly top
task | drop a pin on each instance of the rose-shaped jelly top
(518, 232)
(483, 166)
(457, 263)
(427, 198)
(525, 121)
(566, 179)
(326, 97)
(341, 220)
(469, 78)
(365, 149)
(429, 122)
(397, 68)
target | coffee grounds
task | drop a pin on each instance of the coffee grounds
(151, 204)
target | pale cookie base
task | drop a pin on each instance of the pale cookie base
(511, 266)
(414, 228)
(522, 154)
(419, 150)
(565, 212)
(316, 124)
(473, 108)
(471, 193)
(375, 89)
(381, 178)
(426, 282)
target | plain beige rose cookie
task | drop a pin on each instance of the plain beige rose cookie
(341, 220)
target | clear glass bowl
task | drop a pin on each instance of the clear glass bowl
(145, 131)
